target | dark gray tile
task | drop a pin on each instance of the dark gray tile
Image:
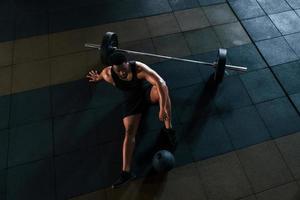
(296, 100)
(288, 191)
(261, 28)
(30, 142)
(289, 147)
(276, 51)
(293, 41)
(261, 85)
(32, 181)
(252, 197)
(7, 9)
(245, 127)
(203, 40)
(3, 174)
(210, 2)
(245, 9)
(286, 22)
(30, 106)
(4, 111)
(295, 4)
(4, 134)
(264, 166)
(153, 7)
(223, 177)
(219, 14)
(183, 4)
(274, 6)
(7, 29)
(280, 117)
(246, 56)
(288, 75)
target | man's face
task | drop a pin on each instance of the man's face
(121, 70)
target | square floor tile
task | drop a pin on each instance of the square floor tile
(32, 181)
(219, 14)
(232, 35)
(203, 40)
(7, 30)
(264, 166)
(293, 41)
(162, 24)
(261, 85)
(30, 142)
(288, 75)
(276, 51)
(186, 19)
(286, 22)
(261, 28)
(274, 6)
(153, 7)
(295, 4)
(3, 184)
(210, 2)
(183, 4)
(4, 134)
(280, 117)
(4, 111)
(296, 100)
(246, 56)
(288, 191)
(223, 177)
(245, 9)
(245, 127)
(289, 147)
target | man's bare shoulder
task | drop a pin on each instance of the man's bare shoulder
(142, 67)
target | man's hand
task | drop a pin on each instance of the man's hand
(93, 76)
(163, 115)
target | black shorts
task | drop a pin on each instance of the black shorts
(136, 101)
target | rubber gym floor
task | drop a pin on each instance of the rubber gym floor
(61, 137)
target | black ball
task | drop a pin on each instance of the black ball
(163, 160)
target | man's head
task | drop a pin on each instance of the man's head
(118, 59)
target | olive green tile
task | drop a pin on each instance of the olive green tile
(232, 35)
(68, 68)
(162, 24)
(6, 52)
(30, 49)
(30, 76)
(99, 194)
(219, 14)
(191, 19)
(5, 80)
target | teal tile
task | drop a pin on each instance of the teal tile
(274, 6)
(4, 111)
(286, 22)
(296, 100)
(183, 4)
(3, 174)
(245, 9)
(4, 134)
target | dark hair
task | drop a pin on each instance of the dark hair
(117, 58)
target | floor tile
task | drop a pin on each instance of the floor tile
(223, 177)
(274, 6)
(293, 40)
(186, 18)
(294, 4)
(5, 80)
(261, 28)
(289, 147)
(99, 194)
(245, 9)
(7, 30)
(288, 75)
(261, 85)
(4, 134)
(252, 197)
(154, 7)
(296, 100)
(6, 53)
(39, 174)
(4, 111)
(210, 2)
(30, 142)
(232, 35)
(219, 14)
(183, 4)
(162, 24)
(3, 184)
(264, 166)
(289, 191)
(286, 22)
(280, 117)
(276, 51)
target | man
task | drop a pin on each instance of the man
(130, 78)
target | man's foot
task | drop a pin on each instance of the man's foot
(124, 178)
(171, 136)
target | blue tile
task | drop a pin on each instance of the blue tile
(30, 106)
(4, 111)
(293, 41)
(295, 4)
(247, 56)
(205, 70)
(153, 7)
(288, 75)
(274, 6)
(33, 181)
(286, 22)
(210, 2)
(30, 142)
(150, 120)
(4, 134)
(231, 94)
(207, 137)
(245, 127)
(245, 9)
(262, 86)
(70, 97)
(261, 28)
(7, 29)
(3, 184)
(276, 51)
(279, 116)
(31, 24)
(296, 100)
(183, 4)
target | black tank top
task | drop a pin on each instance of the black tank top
(133, 84)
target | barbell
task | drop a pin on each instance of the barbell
(110, 44)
